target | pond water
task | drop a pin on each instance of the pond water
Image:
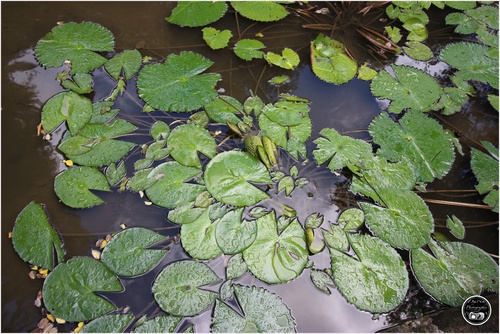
(29, 163)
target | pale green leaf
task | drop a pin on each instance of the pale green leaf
(456, 227)
(159, 324)
(224, 109)
(322, 280)
(235, 234)
(263, 11)
(215, 38)
(248, 49)
(236, 267)
(418, 51)
(288, 59)
(197, 13)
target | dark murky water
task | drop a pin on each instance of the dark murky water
(29, 164)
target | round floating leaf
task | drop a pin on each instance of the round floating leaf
(456, 227)
(454, 271)
(418, 51)
(236, 267)
(215, 38)
(409, 89)
(275, 258)
(263, 11)
(159, 130)
(366, 73)
(248, 49)
(115, 174)
(177, 85)
(234, 234)
(337, 238)
(171, 188)
(177, 289)
(227, 178)
(185, 214)
(288, 59)
(129, 60)
(126, 254)
(67, 106)
(351, 219)
(197, 13)
(485, 169)
(34, 239)
(185, 141)
(159, 324)
(377, 280)
(75, 42)
(69, 290)
(81, 83)
(224, 109)
(418, 138)
(109, 323)
(263, 312)
(72, 186)
(322, 280)
(485, 14)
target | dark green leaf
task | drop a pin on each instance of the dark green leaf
(197, 13)
(115, 174)
(185, 141)
(456, 227)
(67, 106)
(81, 83)
(224, 109)
(485, 169)
(248, 49)
(129, 60)
(235, 234)
(159, 324)
(109, 323)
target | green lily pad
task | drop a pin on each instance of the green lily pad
(69, 290)
(73, 186)
(109, 323)
(336, 238)
(126, 254)
(224, 109)
(236, 267)
(80, 83)
(262, 312)
(102, 112)
(418, 51)
(376, 280)
(485, 168)
(34, 238)
(215, 38)
(177, 289)
(75, 42)
(314, 220)
(487, 15)
(115, 174)
(228, 177)
(235, 234)
(248, 49)
(322, 280)
(263, 11)
(159, 130)
(159, 324)
(456, 227)
(197, 13)
(185, 141)
(287, 184)
(67, 106)
(288, 59)
(351, 219)
(177, 85)
(276, 258)
(366, 73)
(185, 214)
(129, 61)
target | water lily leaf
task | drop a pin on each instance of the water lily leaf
(224, 109)
(351, 219)
(263, 312)
(228, 177)
(366, 73)
(235, 234)
(473, 62)
(286, 113)
(140, 180)
(72, 186)
(171, 188)
(263, 11)
(417, 29)
(236, 267)
(198, 237)
(394, 33)
(115, 174)
(314, 220)
(102, 112)
(159, 130)
(177, 85)
(177, 289)
(159, 324)
(341, 150)
(405, 220)
(197, 13)
(461, 5)
(215, 38)
(485, 169)
(258, 211)
(34, 238)
(274, 258)
(248, 49)
(411, 138)
(185, 141)
(279, 80)
(287, 184)
(465, 24)
(451, 100)
(288, 59)
(185, 214)
(376, 280)
(67, 106)
(336, 238)
(456, 227)
(322, 280)
(411, 88)
(418, 51)
(487, 15)
(75, 42)
(494, 101)
(81, 83)
(109, 323)
(454, 271)
(70, 295)
(129, 60)
(330, 62)
(126, 254)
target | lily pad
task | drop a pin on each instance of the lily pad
(159, 324)
(185, 214)
(456, 227)
(73, 186)
(228, 177)
(177, 289)
(235, 234)
(129, 61)
(67, 106)
(336, 238)
(80, 83)
(177, 85)
(185, 141)
(109, 323)
(322, 280)
(215, 38)
(418, 51)
(262, 312)
(236, 267)
(376, 280)
(263, 11)
(248, 49)
(69, 290)
(126, 254)
(34, 238)
(224, 109)
(115, 174)
(485, 168)
(197, 13)
(75, 42)
(288, 59)
(351, 219)
(277, 258)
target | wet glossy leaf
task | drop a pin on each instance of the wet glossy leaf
(228, 177)
(102, 112)
(418, 51)
(70, 295)
(109, 323)
(351, 219)
(404, 221)
(376, 280)
(236, 267)
(34, 238)
(115, 174)
(494, 101)
(235, 234)
(224, 109)
(185, 214)
(263, 11)
(258, 211)
(185, 141)
(411, 138)
(485, 169)
(171, 188)
(80, 83)
(314, 220)
(451, 100)
(315, 244)
(275, 258)
(262, 311)
(197, 13)
(177, 289)
(159, 324)
(456, 227)
(487, 15)
(67, 106)
(454, 271)
(322, 280)
(159, 130)
(417, 29)
(288, 59)
(287, 184)
(126, 254)
(140, 180)
(465, 24)
(129, 61)
(336, 238)
(410, 88)
(177, 85)
(215, 38)
(366, 73)
(461, 5)
(73, 185)
(248, 49)
(279, 80)
(75, 42)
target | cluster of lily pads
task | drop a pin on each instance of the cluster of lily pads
(207, 190)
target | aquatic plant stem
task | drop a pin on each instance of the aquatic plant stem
(467, 205)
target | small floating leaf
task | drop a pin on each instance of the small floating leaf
(224, 109)
(263, 11)
(129, 60)
(81, 83)
(215, 38)
(159, 324)
(366, 73)
(418, 51)
(279, 80)
(115, 174)
(67, 106)
(109, 323)
(197, 13)
(159, 130)
(236, 267)
(485, 169)
(314, 220)
(336, 239)
(287, 184)
(288, 59)
(351, 219)
(185, 141)
(322, 280)
(248, 49)
(456, 227)
(235, 234)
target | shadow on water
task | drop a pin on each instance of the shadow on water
(29, 163)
